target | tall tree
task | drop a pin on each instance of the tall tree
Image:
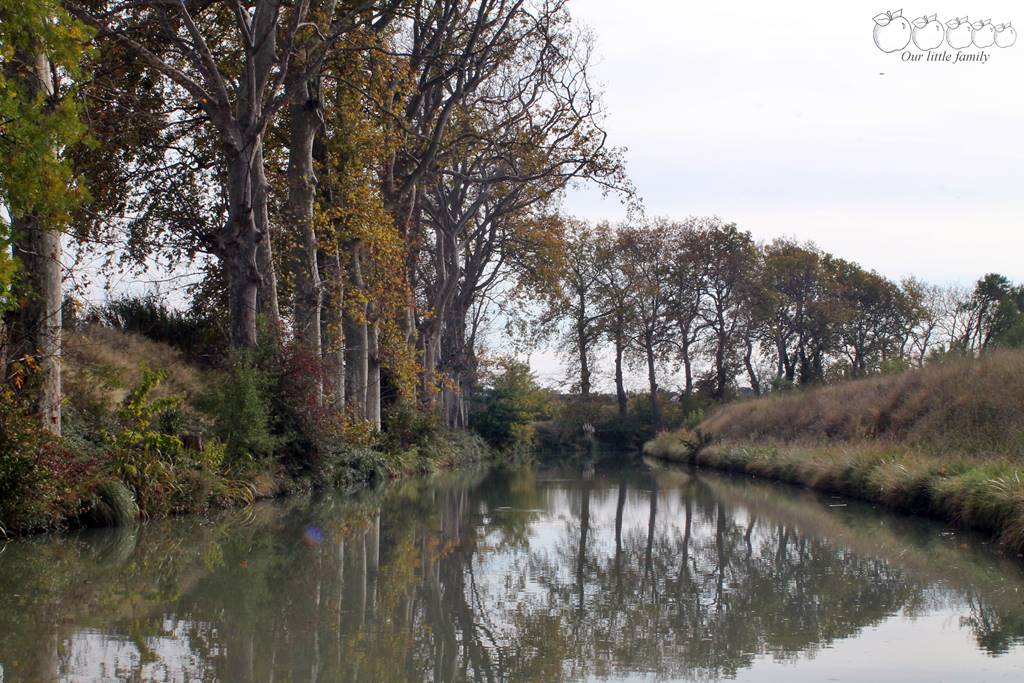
(237, 62)
(645, 263)
(688, 290)
(39, 46)
(730, 263)
(791, 280)
(575, 300)
(614, 292)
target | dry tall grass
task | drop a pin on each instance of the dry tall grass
(947, 440)
(968, 406)
(101, 365)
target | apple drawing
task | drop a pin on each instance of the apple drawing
(958, 33)
(892, 31)
(1006, 35)
(983, 33)
(927, 32)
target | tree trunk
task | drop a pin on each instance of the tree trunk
(239, 244)
(581, 349)
(332, 308)
(721, 381)
(620, 389)
(35, 330)
(267, 305)
(356, 337)
(687, 367)
(430, 377)
(373, 373)
(331, 328)
(653, 381)
(749, 365)
(454, 363)
(305, 119)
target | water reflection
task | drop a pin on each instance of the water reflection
(510, 576)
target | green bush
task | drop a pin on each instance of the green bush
(406, 427)
(239, 404)
(149, 424)
(504, 412)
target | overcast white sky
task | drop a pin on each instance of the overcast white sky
(787, 119)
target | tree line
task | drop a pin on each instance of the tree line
(704, 301)
(356, 182)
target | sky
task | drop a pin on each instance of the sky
(787, 119)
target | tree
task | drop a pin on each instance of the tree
(645, 252)
(873, 314)
(40, 48)
(529, 127)
(575, 300)
(730, 261)
(614, 292)
(996, 308)
(923, 333)
(791, 282)
(239, 64)
(506, 408)
(451, 47)
(688, 290)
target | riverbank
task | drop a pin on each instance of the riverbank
(944, 441)
(149, 433)
(108, 500)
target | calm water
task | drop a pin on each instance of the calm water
(524, 575)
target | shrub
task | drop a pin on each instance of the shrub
(671, 413)
(503, 413)
(239, 404)
(148, 422)
(41, 482)
(405, 427)
(680, 445)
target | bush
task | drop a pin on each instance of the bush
(680, 445)
(406, 427)
(41, 483)
(239, 404)
(503, 413)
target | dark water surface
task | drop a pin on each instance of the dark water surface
(645, 574)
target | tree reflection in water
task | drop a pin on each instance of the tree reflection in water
(500, 576)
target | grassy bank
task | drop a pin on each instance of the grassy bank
(149, 432)
(945, 441)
